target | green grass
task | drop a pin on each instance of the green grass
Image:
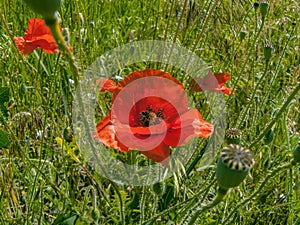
(42, 182)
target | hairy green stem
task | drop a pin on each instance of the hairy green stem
(247, 57)
(220, 195)
(253, 95)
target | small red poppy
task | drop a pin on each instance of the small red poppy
(149, 113)
(37, 35)
(212, 82)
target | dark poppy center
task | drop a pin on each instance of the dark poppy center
(149, 117)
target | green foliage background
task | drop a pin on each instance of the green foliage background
(45, 182)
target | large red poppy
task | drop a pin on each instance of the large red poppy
(149, 113)
(37, 35)
(212, 82)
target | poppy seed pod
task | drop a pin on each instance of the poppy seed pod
(233, 166)
(264, 8)
(46, 8)
(296, 154)
(233, 136)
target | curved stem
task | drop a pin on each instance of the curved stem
(220, 195)
(55, 29)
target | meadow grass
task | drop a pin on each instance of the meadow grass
(44, 179)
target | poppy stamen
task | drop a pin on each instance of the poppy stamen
(148, 117)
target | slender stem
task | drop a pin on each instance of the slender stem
(220, 195)
(276, 117)
(253, 95)
(55, 29)
(258, 190)
(250, 45)
(181, 205)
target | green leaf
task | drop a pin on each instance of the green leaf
(4, 139)
(4, 97)
(66, 219)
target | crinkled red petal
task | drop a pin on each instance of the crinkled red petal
(187, 126)
(159, 154)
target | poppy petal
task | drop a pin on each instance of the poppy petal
(159, 154)
(136, 92)
(187, 126)
(140, 138)
(36, 28)
(37, 35)
(212, 82)
(106, 134)
(23, 46)
(105, 84)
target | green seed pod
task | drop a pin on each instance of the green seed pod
(296, 153)
(47, 8)
(23, 89)
(268, 51)
(233, 166)
(233, 136)
(264, 8)
(269, 137)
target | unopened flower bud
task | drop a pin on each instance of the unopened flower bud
(264, 8)
(269, 137)
(296, 154)
(47, 8)
(233, 166)
(256, 5)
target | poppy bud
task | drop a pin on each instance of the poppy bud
(23, 89)
(268, 51)
(68, 134)
(66, 34)
(233, 136)
(46, 8)
(256, 5)
(264, 8)
(296, 154)
(233, 166)
(269, 137)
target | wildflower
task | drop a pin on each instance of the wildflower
(212, 82)
(37, 35)
(150, 113)
(233, 166)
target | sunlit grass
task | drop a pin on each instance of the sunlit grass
(41, 181)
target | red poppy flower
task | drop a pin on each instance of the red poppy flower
(37, 35)
(212, 82)
(149, 113)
